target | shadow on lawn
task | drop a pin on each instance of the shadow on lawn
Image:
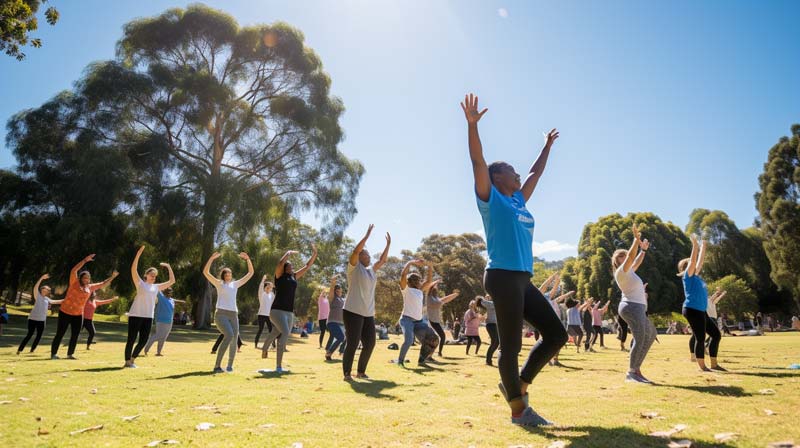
(178, 376)
(790, 374)
(373, 388)
(722, 391)
(594, 436)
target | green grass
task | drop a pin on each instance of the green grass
(454, 404)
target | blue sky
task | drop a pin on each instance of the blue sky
(662, 107)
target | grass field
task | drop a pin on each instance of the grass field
(455, 403)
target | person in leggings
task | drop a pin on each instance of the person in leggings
(501, 199)
(219, 340)
(712, 326)
(555, 304)
(491, 327)
(622, 333)
(633, 305)
(574, 322)
(359, 307)
(140, 316)
(226, 316)
(165, 308)
(696, 304)
(434, 307)
(335, 320)
(597, 322)
(70, 315)
(88, 316)
(282, 312)
(586, 319)
(265, 299)
(38, 316)
(413, 317)
(323, 311)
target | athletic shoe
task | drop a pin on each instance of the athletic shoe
(229, 369)
(131, 366)
(505, 394)
(281, 370)
(159, 354)
(362, 376)
(348, 378)
(592, 350)
(636, 378)
(218, 370)
(719, 369)
(54, 357)
(71, 357)
(328, 357)
(530, 418)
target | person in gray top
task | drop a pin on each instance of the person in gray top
(335, 320)
(491, 327)
(434, 305)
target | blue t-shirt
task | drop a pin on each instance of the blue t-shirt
(509, 231)
(165, 308)
(696, 292)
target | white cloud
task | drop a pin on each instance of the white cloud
(503, 13)
(552, 246)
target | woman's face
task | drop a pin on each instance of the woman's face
(46, 292)
(150, 277)
(268, 288)
(620, 258)
(227, 276)
(337, 292)
(86, 279)
(364, 257)
(413, 282)
(288, 269)
(507, 178)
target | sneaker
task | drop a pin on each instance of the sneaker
(71, 357)
(54, 357)
(328, 357)
(719, 369)
(505, 394)
(592, 350)
(397, 361)
(159, 354)
(348, 378)
(635, 378)
(362, 376)
(131, 366)
(229, 369)
(530, 418)
(218, 370)
(282, 370)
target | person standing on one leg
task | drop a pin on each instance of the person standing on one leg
(282, 312)
(323, 311)
(226, 316)
(38, 316)
(88, 316)
(359, 307)
(265, 299)
(633, 305)
(501, 199)
(335, 320)
(140, 316)
(434, 307)
(70, 315)
(165, 308)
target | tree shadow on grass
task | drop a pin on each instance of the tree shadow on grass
(373, 388)
(722, 391)
(596, 436)
(178, 376)
(99, 369)
(794, 374)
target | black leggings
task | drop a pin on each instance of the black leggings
(587, 342)
(357, 328)
(74, 323)
(33, 325)
(239, 342)
(262, 320)
(494, 342)
(598, 330)
(88, 324)
(323, 326)
(697, 320)
(714, 337)
(622, 334)
(477, 340)
(137, 327)
(516, 299)
(437, 327)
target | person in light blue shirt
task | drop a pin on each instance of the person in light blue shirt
(501, 197)
(165, 310)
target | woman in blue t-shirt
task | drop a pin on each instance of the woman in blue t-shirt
(696, 304)
(501, 197)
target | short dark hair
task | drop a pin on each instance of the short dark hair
(497, 167)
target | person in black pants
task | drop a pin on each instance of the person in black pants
(38, 316)
(586, 319)
(434, 307)
(221, 336)
(508, 225)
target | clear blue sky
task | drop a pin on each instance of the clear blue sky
(662, 107)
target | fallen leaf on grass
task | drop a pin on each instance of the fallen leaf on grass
(306, 411)
(784, 444)
(770, 412)
(163, 442)
(267, 425)
(649, 415)
(297, 445)
(93, 391)
(43, 432)
(685, 443)
(670, 432)
(227, 425)
(24, 399)
(5, 402)
(725, 436)
(77, 413)
(427, 444)
(557, 444)
(131, 418)
(205, 426)
(468, 424)
(91, 428)
(205, 407)
(701, 406)
(767, 391)
(171, 411)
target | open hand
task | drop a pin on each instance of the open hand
(46, 276)
(244, 256)
(166, 265)
(215, 255)
(550, 137)
(89, 258)
(645, 244)
(470, 108)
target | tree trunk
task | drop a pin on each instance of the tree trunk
(211, 215)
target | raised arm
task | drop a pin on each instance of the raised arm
(280, 268)
(73, 273)
(480, 172)
(36, 286)
(103, 302)
(566, 296)
(331, 294)
(632, 252)
(170, 281)
(643, 246)
(692, 268)
(556, 285)
(406, 268)
(250, 270)
(701, 257)
(720, 296)
(135, 267)
(384, 255)
(360, 246)
(309, 263)
(605, 308)
(546, 284)
(450, 297)
(207, 269)
(428, 277)
(535, 173)
(104, 283)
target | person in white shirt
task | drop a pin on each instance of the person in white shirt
(265, 298)
(38, 316)
(412, 319)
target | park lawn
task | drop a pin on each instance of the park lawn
(455, 403)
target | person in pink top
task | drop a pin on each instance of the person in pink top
(472, 325)
(597, 322)
(324, 309)
(88, 316)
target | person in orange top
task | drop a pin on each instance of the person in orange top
(88, 316)
(71, 312)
